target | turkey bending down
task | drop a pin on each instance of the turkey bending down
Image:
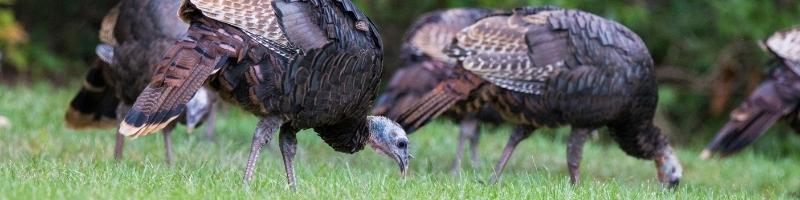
(295, 64)
(775, 98)
(548, 67)
(424, 66)
(134, 35)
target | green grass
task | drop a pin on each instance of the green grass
(40, 159)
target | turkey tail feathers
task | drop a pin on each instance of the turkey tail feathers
(736, 135)
(185, 68)
(749, 121)
(95, 105)
(440, 99)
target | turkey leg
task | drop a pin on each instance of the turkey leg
(288, 141)
(264, 131)
(575, 152)
(473, 147)
(519, 134)
(211, 122)
(122, 110)
(168, 143)
(468, 128)
(118, 146)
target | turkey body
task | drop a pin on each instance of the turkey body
(135, 34)
(549, 67)
(424, 66)
(294, 64)
(776, 98)
(329, 88)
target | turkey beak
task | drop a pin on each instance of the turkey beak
(190, 127)
(402, 162)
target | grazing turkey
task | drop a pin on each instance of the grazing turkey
(775, 98)
(134, 34)
(548, 67)
(424, 66)
(294, 64)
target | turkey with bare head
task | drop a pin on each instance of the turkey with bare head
(294, 64)
(549, 67)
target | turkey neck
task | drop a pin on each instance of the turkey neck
(640, 140)
(349, 136)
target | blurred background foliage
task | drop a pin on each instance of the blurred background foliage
(706, 52)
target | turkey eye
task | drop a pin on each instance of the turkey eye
(402, 144)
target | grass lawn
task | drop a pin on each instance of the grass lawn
(41, 159)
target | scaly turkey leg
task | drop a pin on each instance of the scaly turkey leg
(264, 131)
(468, 127)
(519, 134)
(288, 141)
(575, 152)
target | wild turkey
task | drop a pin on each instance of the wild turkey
(134, 35)
(424, 65)
(774, 99)
(294, 64)
(548, 67)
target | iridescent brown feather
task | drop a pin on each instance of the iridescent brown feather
(432, 32)
(183, 70)
(256, 17)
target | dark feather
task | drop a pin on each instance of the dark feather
(95, 104)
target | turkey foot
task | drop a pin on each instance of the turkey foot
(288, 143)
